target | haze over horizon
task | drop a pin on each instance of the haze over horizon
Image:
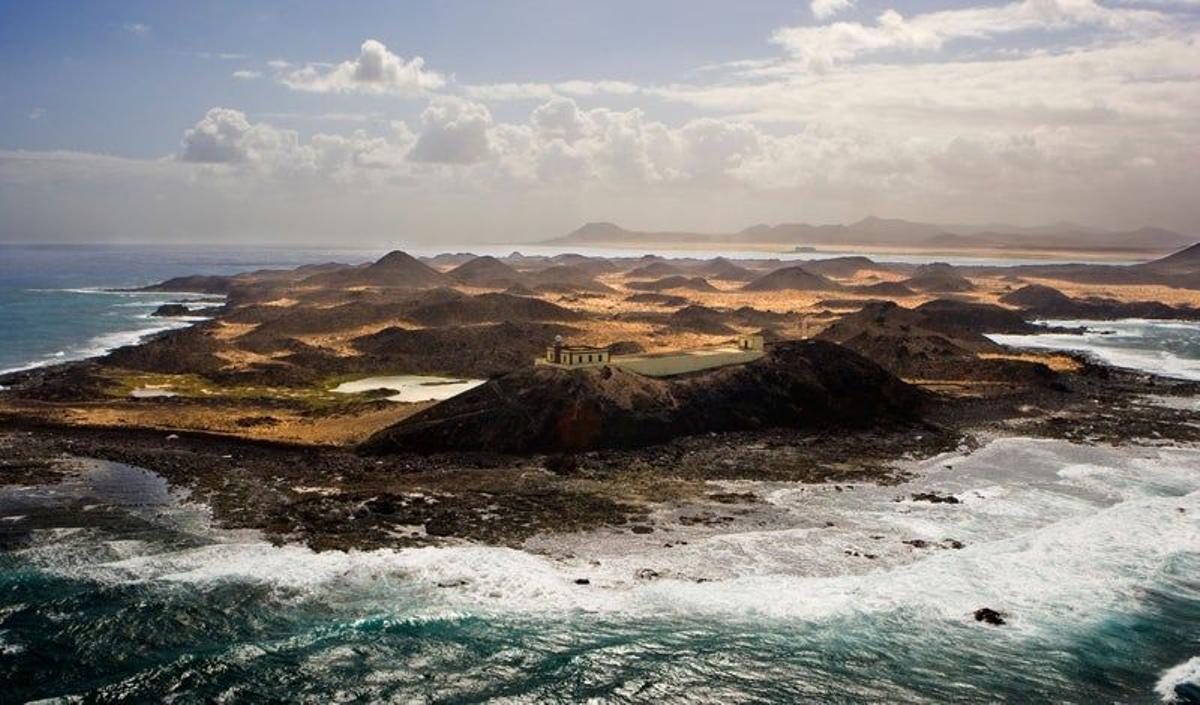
(445, 122)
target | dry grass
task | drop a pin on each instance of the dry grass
(1058, 363)
(230, 331)
(1130, 292)
(241, 420)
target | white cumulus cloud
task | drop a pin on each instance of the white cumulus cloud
(824, 9)
(821, 47)
(453, 131)
(375, 70)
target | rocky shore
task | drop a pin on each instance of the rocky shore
(336, 498)
(240, 411)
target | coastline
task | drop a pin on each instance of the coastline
(618, 488)
(104, 343)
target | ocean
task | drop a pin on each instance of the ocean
(115, 587)
(54, 305)
(126, 593)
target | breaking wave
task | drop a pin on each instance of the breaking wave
(1090, 555)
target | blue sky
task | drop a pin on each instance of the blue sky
(78, 58)
(504, 120)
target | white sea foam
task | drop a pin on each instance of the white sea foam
(146, 325)
(1185, 674)
(1056, 535)
(106, 343)
(1139, 344)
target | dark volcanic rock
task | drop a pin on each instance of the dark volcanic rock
(654, 270)
(938, 340)
(657, 299)
(885, 289)
(489, 308)
(1046, 302)
(196, 283)
(1037, 297)
(798, 384)
(677, 282)
(460, 350)
(566, 278)
(792, 279)
(172, 311)
(700, 319)
(190, 350)
(394, 270)
(961, 317)
(990, 616)
(721, 268)
(939, 278)
(935, 498)
(487, 272)
(840, 266)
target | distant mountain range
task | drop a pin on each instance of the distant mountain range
(896, 233)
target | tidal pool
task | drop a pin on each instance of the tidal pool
(411, 388)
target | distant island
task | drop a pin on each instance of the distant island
(893, 234)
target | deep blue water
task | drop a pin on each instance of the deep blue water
(115, 589)
(52, 309)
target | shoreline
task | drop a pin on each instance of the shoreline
(95, 347)
(327, 497)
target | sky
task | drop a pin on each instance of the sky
(457, 122)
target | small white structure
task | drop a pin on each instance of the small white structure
(572, 356)
(746, 348)
(750, 342)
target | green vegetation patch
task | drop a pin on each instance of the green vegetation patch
(122, 383)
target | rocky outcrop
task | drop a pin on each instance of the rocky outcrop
(478, 350)
(487, 272)
(396, 269)
(840, 266)
(801, 384)
(792, 279)
(1045, 302)
(937, 340)
(657, 299)
(566, 278)
(488, 308)
(890, 289)
(171, 311)
(722, 269)
(676, 282)
(939, 278)
(654, 270)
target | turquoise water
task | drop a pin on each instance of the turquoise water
(1091, 555)
(52, 308)
(1168, 348)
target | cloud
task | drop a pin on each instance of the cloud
(1073, 110)
(453, 131)
(137, 28)
(542, 91)
(246, 74)
(824, 9)
(222, 55)
(821, 47)
(226, 136)
(376, 70)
